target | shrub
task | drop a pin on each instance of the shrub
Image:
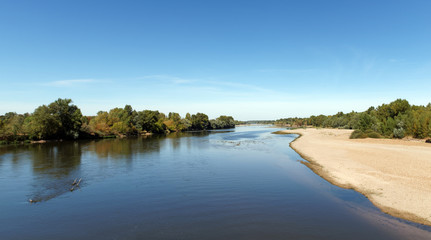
(399, 133)
(358, 134)
(374, 135)
(366, 134)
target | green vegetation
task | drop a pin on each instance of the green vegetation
(63, 120)
(365, 134)
(394, 120)
(259, 122)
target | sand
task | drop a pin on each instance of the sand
(394, 174)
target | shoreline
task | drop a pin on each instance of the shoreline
(403, 195)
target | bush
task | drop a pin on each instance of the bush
(358, 134)
(374, 135)
(367, 134)
(399, 133)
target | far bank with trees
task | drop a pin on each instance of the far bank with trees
(397, 119)
(63, 120)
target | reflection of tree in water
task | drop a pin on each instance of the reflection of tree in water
(112, 148)
(151, 143)
(55, 165)
(176, 139)
(122, 152)
(125, 149)
(14, 151)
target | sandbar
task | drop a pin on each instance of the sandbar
(394, 174)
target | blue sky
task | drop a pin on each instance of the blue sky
(248, 59)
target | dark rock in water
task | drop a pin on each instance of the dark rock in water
(428, 140)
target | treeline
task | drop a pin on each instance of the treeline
(394, 120)
(259, 122)
(63, 120)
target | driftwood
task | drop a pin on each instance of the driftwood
(75, 184)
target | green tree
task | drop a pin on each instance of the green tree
(200, 121)
(173, 122)
(60, 119)
(43, 124)
(150, 121)
(11, 126)
(398, 106)
(224, 122)
(365, 121)
(69, 117)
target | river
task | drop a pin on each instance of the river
(244, 183)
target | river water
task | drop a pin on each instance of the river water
(236, 184)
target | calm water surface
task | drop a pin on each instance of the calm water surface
(241, 184)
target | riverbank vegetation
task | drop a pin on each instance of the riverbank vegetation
(397, 119)
(63, 120)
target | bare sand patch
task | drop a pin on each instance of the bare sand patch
(394, 174)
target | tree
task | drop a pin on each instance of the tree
(69, 117)
(188, 116)
(173, 123)
(365, 121)
(398, 106)
(11, 126)
(224, 122)
(200, 121)
(150, 121)
(60, 119)
(43, 124)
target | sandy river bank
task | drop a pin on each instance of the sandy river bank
(394, 174)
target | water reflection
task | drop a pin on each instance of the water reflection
(54, 168)
(55, 165)
(112, 149)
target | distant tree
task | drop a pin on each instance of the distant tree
(398, 106)
(188, 116)
(69, 117)
(11, 126)
(318, 121)
(200, 121)
(365, 121)
(43, 124)
(371, 109)
(173, 123)
(60, 119)
(100, 124)
(186, 124)
(149, 121)
(224, 122)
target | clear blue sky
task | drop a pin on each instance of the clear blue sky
(249, 59)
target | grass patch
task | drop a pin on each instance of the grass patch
(279, 132)
(367, 134)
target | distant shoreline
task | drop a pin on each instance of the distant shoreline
(393, 174)
(143, 135)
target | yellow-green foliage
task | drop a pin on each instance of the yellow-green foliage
(364, 134)
(63, 120)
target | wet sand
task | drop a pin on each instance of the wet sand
(394, 174)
